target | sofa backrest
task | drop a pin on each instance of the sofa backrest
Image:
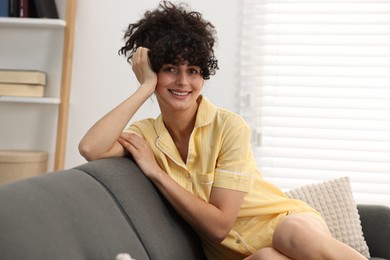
(161, 231)
(94, 211)
(62, 216)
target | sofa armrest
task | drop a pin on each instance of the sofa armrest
(375, 221)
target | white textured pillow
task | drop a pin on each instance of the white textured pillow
(334, 200)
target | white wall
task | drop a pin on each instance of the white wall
(102, 79)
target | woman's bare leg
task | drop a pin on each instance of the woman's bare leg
(301, 236)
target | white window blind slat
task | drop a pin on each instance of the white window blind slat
(325, 144)
(373, 40)
(338, 92)
(315, 175)
(313, 71)
(320, 61)
(249, 3)
(325, 113)
(329, 154)
(256, 82)
(326, 123)
(321, 29)
(365, 188)
(326, 165)
(317, 18)
(329, 134)
(249, 46)
(317, 7)
(315, 89)
(321, 102)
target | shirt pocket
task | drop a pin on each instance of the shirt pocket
(202, 185)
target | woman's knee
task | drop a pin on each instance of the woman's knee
(300, 225)
(297, 232)
(289, 232)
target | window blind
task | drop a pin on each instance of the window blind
(315, 89)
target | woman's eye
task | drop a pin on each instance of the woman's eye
(193, 71)
(169, 69)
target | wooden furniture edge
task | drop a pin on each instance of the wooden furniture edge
(63, 111)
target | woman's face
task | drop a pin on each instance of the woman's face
(178, 87)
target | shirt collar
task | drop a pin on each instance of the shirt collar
(205, 115)
(206, 112)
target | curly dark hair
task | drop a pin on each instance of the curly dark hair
(173, 35)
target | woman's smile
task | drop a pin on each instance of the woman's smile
(179, 93)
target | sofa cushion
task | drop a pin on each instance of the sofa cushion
(62, 216)
(163, 233)
(376, 228)
(334, 200)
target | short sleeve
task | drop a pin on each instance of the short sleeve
(236, 166)
(133, 128)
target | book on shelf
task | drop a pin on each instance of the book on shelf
(23, 76)
(29, 8)
(13, 8)
(46, 9)
(4, 8)
(22, 83)
(21, 90)
(23, 8)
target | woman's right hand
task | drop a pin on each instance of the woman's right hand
(142, 68)
(101, 140)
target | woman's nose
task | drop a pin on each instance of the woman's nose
(181, 78)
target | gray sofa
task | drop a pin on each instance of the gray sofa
(106, 207)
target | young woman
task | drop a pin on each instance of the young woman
(199, 156)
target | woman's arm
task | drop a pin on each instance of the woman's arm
(213, 220)
(101, 139)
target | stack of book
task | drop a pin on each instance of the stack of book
(22, 83)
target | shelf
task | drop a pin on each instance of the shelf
(35, 100)
(47, 45)
(43, 23)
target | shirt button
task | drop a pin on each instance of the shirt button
(238, 241)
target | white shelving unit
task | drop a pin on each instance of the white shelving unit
(44, 100)
(33, 23)
(38, 44)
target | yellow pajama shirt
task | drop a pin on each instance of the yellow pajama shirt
(220, 155)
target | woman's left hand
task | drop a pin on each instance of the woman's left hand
(213, 219)
(141, 151)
